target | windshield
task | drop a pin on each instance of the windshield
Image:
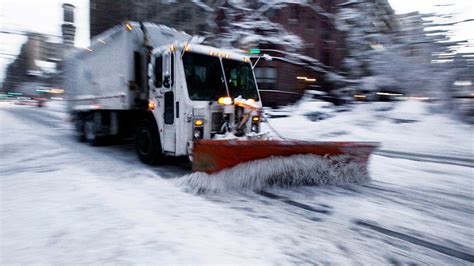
(203, 77)
(240, 79)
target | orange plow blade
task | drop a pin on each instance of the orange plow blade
(211, 156)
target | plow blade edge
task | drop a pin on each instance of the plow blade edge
(211, 156)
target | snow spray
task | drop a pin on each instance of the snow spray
(295, 170)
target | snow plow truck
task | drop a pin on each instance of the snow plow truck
(178, 98)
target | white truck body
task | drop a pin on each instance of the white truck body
(101, 72)
(188, 91)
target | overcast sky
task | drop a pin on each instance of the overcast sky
(45, 16)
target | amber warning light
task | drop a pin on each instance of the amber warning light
(225, 101)
(151, 105)
(198, 122)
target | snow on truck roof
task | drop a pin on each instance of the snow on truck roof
(131, 25)
(162, 37)
(213, 51)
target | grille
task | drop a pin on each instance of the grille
(217, 121)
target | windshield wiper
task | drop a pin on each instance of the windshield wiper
(213, 98)
(223, 80)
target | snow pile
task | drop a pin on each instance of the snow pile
(46, 67)
(407, 126)
(296, 170)
(262, 30)
(203, 5)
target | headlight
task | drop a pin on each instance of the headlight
(198, 132)
(198, 122)
(255, 124)
(254, 128)
(198, 129)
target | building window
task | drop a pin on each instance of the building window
(326, 5)
(326, 57)
(266, 74)
(294, 12)
(201, 28)
(271, 13)
(309, 49)
(68, 16)
(186, 15)
(310, 22)
(325, 33)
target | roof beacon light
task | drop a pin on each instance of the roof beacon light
(128, 26)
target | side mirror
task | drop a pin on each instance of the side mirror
(267, 57)
(150, 70)
(150, 78)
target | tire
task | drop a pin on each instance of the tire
(79, 132)
(90, 131)
(147, 143)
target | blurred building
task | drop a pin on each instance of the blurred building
(68, 28)
(313, 23)
(412, 34)
(461, 92)
(302, 36)
(189, 16)
(39, 64)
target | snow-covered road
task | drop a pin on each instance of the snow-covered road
(64, 202)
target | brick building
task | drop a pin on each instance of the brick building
(189, 16)
(288, 75)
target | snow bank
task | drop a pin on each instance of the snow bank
(408, 126)
(278, 171)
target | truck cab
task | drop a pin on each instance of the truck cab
(153, 83)
(197, 92)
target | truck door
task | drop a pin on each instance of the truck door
(168, 111)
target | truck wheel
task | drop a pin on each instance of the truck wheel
(90, 133)
(79, 132)
(147, 143)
